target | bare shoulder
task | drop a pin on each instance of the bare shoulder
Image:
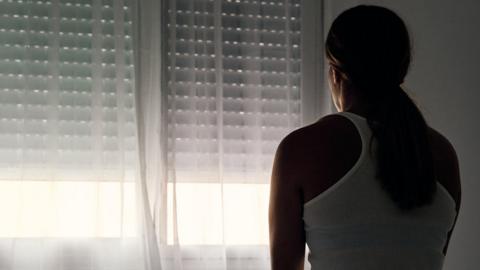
(323, 138)
(442, 149)
(320, 153)
(440, 142)
(322, 131)
(446, 163)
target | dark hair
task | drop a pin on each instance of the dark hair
(370, 46)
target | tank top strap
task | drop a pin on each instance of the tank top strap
(361, 124)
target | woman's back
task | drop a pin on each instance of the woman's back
(389, 206)
(350, 222)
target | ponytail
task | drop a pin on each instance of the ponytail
(405, 163)
(370, 45)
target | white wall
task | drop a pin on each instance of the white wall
(445, 81)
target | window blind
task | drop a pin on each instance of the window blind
(233, 88)
(66, 78)
(67, 127)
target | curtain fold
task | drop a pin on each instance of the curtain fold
(149, 25)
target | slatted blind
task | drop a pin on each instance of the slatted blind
(233, 88)
(66, 90)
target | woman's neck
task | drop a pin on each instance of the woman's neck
(356, 106)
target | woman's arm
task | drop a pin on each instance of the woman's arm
(287, 235)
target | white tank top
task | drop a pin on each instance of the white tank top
(355, 225)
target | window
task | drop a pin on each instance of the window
(233, 93)
(67, 127)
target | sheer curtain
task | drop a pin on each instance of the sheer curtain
(140, 134)
(69, 195)
(219, 86)
(233, 93)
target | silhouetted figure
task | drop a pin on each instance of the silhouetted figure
(373, 186)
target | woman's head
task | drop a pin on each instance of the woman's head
(368, 49)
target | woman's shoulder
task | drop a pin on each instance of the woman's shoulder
(329, 125)
(445, 163)
(329, 133)
(327, 143)
(322, 152)
(439, 140)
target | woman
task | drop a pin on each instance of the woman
(370, 187)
